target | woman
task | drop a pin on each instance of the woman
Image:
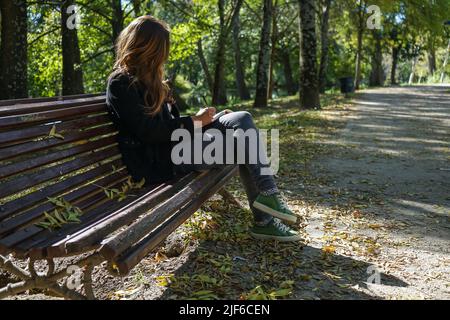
(146, 115)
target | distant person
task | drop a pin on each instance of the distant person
(146, 115)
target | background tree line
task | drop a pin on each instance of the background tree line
(224, 51)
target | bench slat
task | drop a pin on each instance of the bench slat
(49, 249)
(30, 216)
(20, 204)
(55, 247)
(28, 119)
(15, 102)
(148, 222)
(24, 134)
(80, 198)
(29, 180)
(58, 155)
(71, 137)
(124, 216)
(16, 109)
(132, 256)
(37, 245)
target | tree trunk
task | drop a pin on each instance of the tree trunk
(395, 52)
(286, 62)
(117, 19)
(72, 80)
(324, 27)
(431, 55)
(219, 89)
(413, 70)
(358, 58)
(360, 29)
(13, 50)
(263, 58)
(241, 86)
(137, 7)
(204, 65)
(309, 84)
(376, 75)
(432, 61)
(274, 40)
(444, 66)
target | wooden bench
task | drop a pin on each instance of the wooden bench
(65, 148)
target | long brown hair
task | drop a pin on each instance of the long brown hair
(142, 49)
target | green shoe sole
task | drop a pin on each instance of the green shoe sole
(285, 217)
(261, 236)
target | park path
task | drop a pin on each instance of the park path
(387, 182)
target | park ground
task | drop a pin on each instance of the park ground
(370, 178)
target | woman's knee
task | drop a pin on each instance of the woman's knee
(244, 118)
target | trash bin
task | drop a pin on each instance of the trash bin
(347, 85)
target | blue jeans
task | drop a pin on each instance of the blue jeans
(250, 173)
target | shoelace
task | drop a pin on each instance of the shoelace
(283, 202)
(280, 225)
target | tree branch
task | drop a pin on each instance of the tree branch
(188, 13)
(100, 30)
(97, 55)
(281, 33)
(82, 4)
(254, 12)
(232, 16)
(44, 34)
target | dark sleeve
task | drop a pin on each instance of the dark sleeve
(125, 100)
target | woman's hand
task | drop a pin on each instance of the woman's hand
(204, 116)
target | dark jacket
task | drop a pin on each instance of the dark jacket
(144, 141)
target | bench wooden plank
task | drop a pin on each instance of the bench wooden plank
(24, 134)
(80, 198)
(15, 185)
(15, 102)
(96, 233)
(38, 245)
(133, 255)
(145, 224)
(16, 109)
(58, 155)
(75, 197)
(22, 203)
(22, 120)
(70, 137)
(55, 247)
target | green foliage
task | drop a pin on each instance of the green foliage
(63, 214)
(414, 26)
(122, 193)
(259, 293)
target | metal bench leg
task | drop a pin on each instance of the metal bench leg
(227, 196)
(87, 282)
(49, 281)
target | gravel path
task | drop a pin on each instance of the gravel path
(390, 169)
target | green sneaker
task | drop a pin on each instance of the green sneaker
(274, 206)
(275, 230)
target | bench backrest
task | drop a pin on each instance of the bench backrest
(50, 148)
